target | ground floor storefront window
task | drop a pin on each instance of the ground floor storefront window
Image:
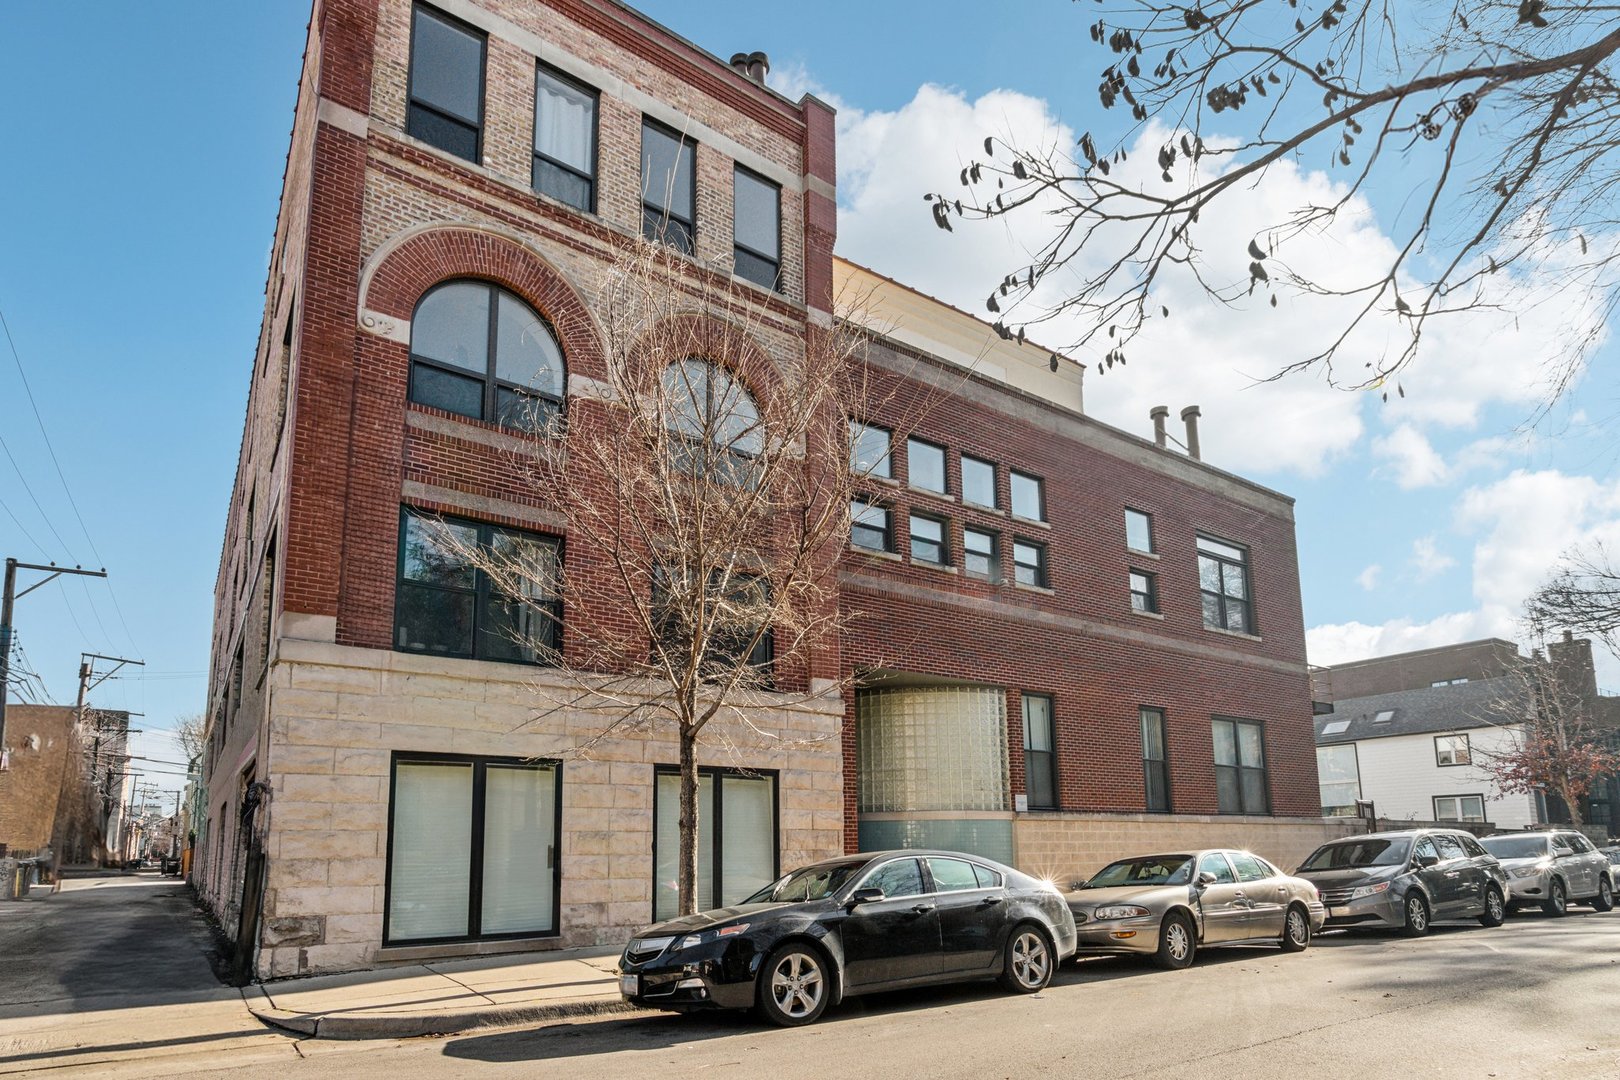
(737, 838)
(472, 848)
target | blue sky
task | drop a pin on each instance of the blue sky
(145, 150)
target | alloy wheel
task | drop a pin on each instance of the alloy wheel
(797, 985)
(1177, 940)
(1031, 959)
(1298, 928)
(1417, 914)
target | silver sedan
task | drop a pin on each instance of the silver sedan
(1170, 906)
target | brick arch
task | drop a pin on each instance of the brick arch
(405, 267)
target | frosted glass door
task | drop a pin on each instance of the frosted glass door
(430, 875)
(520, 826)
(747, 837)
(666, 891)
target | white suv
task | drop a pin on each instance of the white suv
(1553, 869)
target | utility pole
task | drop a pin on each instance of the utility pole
(87, 670)
(10, 597)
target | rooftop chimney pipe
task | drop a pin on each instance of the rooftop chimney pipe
(1159, 414)
(1189, 416)
(754, 65)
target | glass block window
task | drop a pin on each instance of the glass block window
(1223, 582)
(1139, 531)
(932, 748)
(928, 540)
(1028, 495)
(1040, 753)
(925, 465)
(1144, 592)
(981, 555)
(1155, 760)
(1240, 767)
(979, 482)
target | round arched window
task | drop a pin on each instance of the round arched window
(715, 419)
(479, 351)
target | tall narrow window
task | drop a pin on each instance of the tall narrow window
(737, 838)
(869, 526)
(756, 228)
(1139, 531)
(981, 556)
(446, 83)
(1029, 564)
(1338, 777)
(1144, 592)
(925, 465)
(1028, 495)
(446, 604)
(1240, 767)
(1155, 760)
(869, 450)
(480, 352)
(1040, 753)
(928, 540)
(1223, 581)
(564, 139)
(979, 482)
(668, 191)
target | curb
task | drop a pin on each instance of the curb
(408, 1026)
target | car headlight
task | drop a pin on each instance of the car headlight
(692, 941)
(1529, 871)
(1369, 890)
(1120, 911)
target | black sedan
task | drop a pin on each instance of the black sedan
(855, 925)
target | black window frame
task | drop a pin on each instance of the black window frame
(995, 482)
(944, 488)
(1041, 567)
(543, 68)
(489, 411)
(667, 215)
(1046, 761)
(888, 524)
(1240, 768)
(1160, 765)
(994, 555)
(1012, 494)
(1152, 548)
(411, 102)
(482, 590)
(943, 543)
(1467, 749)
(857, 428)
(1150, 598)
(475, 866)
(714, 831)
(738, 248)
(762, 657)
(1223, 601)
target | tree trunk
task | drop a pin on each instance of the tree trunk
(689, 822)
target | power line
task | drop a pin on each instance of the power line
(43, 515)
(40, 548)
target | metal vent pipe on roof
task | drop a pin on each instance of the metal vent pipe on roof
(1189, 416)
(1159, 414)
(754, 65)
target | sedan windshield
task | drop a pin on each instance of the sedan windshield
(1352, 854)
(1157, 870)
(1516, 847)
(811, 883)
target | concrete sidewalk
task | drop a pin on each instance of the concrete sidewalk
(443, 997)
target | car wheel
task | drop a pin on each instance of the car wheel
(1029, 961)
(1495, 913)
(792, 986)
(1417, 915)
(1296, 930)
(1604, 900)
(1557, 902)
(1176, 942)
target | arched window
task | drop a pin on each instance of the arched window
(717, 425)
(479, 351)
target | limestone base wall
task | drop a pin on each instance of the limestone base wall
(336, 716)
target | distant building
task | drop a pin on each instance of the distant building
(1408, 733)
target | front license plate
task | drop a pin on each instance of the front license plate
(1339, 912)
(630, 985)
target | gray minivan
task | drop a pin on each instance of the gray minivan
(1407, 880)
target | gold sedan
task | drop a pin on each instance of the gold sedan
(1170, 906)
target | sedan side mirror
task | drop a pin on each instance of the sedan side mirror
(866, 896)
(1423, 862)
(1206, 878)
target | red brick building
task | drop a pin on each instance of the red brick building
(459, 176)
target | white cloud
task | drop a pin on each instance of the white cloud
(1414, 460)
(1368, 578)
(1427, 558)
(1340, 643)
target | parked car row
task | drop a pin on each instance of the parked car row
(900, 919)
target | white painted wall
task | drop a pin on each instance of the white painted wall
(1401, 778)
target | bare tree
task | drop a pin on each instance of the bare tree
(706, 486)
(1494, 126)
(191, 731)
(1582, 596)
(1556, 743)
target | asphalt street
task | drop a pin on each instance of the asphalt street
(1535, 998)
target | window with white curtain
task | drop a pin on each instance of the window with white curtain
(736, 849)
(564, 139)
(455, 821)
